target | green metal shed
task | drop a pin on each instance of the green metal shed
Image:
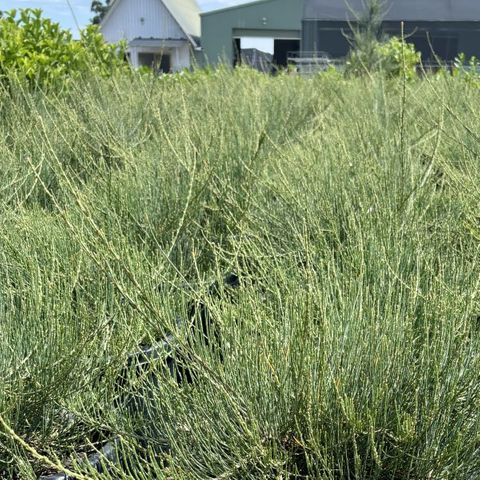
(277, 19)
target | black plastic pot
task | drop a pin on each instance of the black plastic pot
(140, 360)
(97, 460)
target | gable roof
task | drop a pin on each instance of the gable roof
(185, 12)
(397, 10)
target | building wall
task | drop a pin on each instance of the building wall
(332, 37)
(397, 10)
(181, 57)
(125, 21)
(254, 19)
(469, 42)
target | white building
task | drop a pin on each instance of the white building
(163, 34)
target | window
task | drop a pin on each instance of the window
(160, 62)
(146, 59)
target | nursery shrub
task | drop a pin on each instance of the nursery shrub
(37, 51)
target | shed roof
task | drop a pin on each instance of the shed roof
(397, 10)
(237, 6)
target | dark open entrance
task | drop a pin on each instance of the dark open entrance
(253, 52)
(146, 59)
(237, 51)
(256, 52)
(281, 48)
(165, 63)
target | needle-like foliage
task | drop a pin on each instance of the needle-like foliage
(346, 212)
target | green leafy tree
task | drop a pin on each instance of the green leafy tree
(99, 8)
(37, 51)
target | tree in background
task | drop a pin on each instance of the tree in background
(366, 34)
(99, 8)
(373, 51)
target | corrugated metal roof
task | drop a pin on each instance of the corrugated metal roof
(397, 10)
(156, 42)
(237, 6)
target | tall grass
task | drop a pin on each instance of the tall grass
(351, 349)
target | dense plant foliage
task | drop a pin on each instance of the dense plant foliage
(468, 70)
(350, 350)
(392, 57)
(38, 51)
(398, 58)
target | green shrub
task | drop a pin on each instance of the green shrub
(38, 51)
(398, 57)
(393, 57)
(351, 349)
(468, 70)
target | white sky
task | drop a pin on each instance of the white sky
(264, 44)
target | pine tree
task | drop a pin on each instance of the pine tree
(365, 37)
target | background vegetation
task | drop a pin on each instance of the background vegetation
(38, 52)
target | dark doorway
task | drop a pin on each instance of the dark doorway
(237, 51)
(281, 48)
(164, 65)
(146, 59)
